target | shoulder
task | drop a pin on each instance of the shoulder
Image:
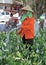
(32, 18)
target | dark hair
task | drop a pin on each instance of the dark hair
(11, 14)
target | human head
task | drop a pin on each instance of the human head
(27, 8)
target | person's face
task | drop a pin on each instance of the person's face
(24, 12)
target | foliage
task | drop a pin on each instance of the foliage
(14, 52)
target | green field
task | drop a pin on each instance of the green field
(16, 53)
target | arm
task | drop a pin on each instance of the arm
(18, 31)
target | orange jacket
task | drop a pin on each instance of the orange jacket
(27, 28)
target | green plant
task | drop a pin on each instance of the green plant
(14, 52)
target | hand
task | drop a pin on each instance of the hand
(18, 32)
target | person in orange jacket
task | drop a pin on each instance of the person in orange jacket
(27, 28)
